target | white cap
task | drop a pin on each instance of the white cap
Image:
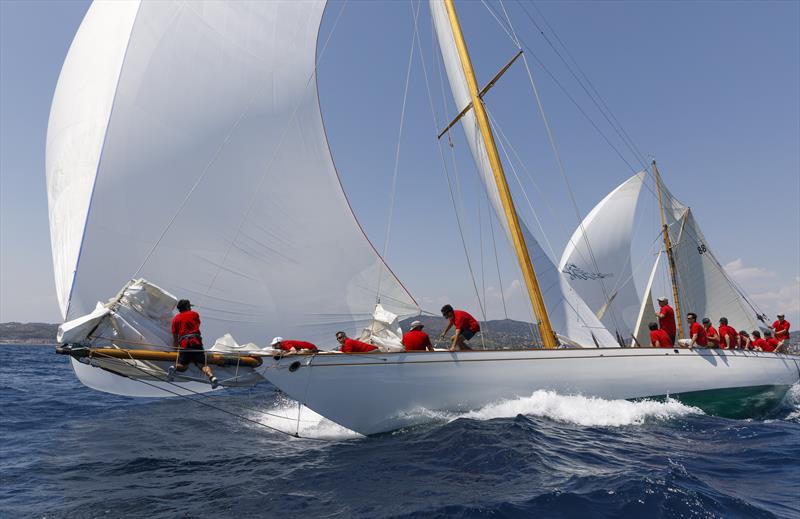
(417, 324)
(662, 298)
(276, 340)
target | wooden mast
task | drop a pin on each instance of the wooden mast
(668, 246)
(534, 292)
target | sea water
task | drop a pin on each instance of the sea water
(69, 451)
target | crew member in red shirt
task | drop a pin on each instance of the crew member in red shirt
(659, 338)
(772, 343)
(727, 335)
(711, 333)
(417, 340)
(666, 318)
(697, 333)
(781, 328)
(744, 340)
(466, 327)
(187, 340)
(279, 343)
(353, 346)
(758, 343)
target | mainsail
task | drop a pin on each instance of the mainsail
(570, 316)
(186, 146)
(703, 285)
(597, 259)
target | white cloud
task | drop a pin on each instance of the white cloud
(784, 299)
(737, 270)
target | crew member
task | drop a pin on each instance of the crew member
(186, 337)
(417, 340)
(712, 336)
(759, 343)
(727, 335)
(744, 340)
(658, 337)
(697, 333)
(279, 343)
(666, 318)
(781, 328)
(349, 345)
(466, 327)
(772, 343)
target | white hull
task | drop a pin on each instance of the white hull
(373, 393)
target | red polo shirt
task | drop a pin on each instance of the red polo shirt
(727, 331)
(771, 344)
(462, 320)
(354, 346)
(712, 343)
(416, 340)
(781, 330)
(298, 345)
(667, 322)
(185, 323)
(662, 338)
(761, 343)
(698, 329)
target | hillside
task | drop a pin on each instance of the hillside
(28, 333)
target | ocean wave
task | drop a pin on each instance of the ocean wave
(792, 403)
(584, 411)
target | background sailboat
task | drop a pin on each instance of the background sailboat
(597, 261)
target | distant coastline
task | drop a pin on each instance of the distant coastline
(34, 334)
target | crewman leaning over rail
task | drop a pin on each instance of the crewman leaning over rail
(349, 345)
(291, 346)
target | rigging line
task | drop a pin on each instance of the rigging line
(562, 170)
(446, 171)
(631, 147)
(496, 259)
(611, 113)
(525, 194)
(395, 173)
(201, 402)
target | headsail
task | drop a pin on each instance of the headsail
(569, 315)
(597, 259)
(647, 312)
(186, 145)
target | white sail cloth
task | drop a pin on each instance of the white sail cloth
(597, 259)
(703, 285)
(569, 315)
(186, 145)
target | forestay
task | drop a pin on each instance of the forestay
(186, 146)
(597, 259)
(569, 315)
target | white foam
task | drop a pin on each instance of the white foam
(792, 400)
(586, 411)
(283, 416)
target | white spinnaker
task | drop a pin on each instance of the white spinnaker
(214, 180)
(569, 315)
(77, 127)
(602, 275)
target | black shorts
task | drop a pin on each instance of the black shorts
(192, 353)
(467, 333)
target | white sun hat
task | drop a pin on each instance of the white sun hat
(276, 340)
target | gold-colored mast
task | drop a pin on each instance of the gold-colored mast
(539, 309)
(668, 247)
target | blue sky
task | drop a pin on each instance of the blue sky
(708, 88)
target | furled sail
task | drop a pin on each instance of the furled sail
(597, 259)
(570, 316)
(186, 145)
